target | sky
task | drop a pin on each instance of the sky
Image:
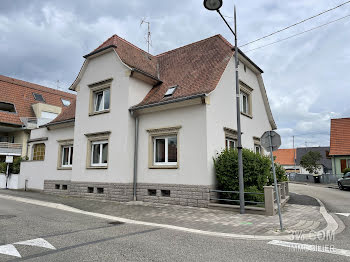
(307, 78)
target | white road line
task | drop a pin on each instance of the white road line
(343, 214)
(9, 250)
(38, 242)
(312, 248)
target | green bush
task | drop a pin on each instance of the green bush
(14, 168)
(3, 167)
(280, 174)
(256, 169)
(346, 170)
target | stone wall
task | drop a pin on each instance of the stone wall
(186, 195)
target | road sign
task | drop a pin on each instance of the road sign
(275, 139)
(9, 159)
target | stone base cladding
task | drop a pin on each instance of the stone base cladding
(185, 195)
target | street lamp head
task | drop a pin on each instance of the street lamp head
(212, 5)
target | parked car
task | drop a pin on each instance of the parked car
(344, 182)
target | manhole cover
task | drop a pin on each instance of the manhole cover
(6, 216)
(116, 223)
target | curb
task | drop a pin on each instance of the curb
(331, 223)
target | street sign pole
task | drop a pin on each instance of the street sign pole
(275, 182)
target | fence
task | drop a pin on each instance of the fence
(225, 199)
(309, 178)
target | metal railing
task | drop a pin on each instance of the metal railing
(235, 200)
(10, 148)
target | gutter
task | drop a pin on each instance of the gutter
(57, 123)
(145, 74)
(136, 147)
(131, 109)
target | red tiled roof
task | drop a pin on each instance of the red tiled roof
(20, 93)
(340, 136)
(67, 113)
(284, 156)
(195, 68)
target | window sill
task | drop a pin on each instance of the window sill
(97, 167)
(247, 115)
(164, 167)
(99, 112)
(64, 168)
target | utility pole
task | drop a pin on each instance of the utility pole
(148, 40)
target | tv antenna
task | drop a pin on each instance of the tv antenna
(148, 39)
(58, 84)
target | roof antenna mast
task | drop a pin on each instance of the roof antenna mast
(148, 39)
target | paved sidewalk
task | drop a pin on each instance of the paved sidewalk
(306, 218)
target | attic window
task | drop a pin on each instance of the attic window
(65, 102)
(170, 91)
(8, 107)
(38, 97)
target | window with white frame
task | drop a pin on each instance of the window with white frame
(165, 150)
(257, 149)
(245, 103)
(99, 153)
(101, 100)
(230, 143)
(67, 156)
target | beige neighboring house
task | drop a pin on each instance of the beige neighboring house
(147, 127)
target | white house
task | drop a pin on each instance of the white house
(147, 127)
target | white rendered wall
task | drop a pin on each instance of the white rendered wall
(191, 145)
(38, 171)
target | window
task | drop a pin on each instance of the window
(163, 147)
(170, 91)
(257, 149)
(38, 97)
(39, 152)
(101, 100)
(7, 107)
(230, 143)
(165, 150)
(65, 102)
(99, 153)
(67, 156)
(244, 103)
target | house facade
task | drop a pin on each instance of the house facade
(340, 144)
(23, 107)
(147, 127)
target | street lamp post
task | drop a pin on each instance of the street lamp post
(214, 5)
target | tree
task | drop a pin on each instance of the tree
(310, 161)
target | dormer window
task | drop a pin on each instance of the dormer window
(65, 102)
(38, 97)
(170, 91)
(7, 107)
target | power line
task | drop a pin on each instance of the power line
(292, 36)
(302, 21)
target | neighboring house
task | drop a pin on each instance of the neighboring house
(290, 157)
(147, 127)
(340, 144)
(23, 107)
(286, 158)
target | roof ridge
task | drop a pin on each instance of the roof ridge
(35, 86)
(187, 45)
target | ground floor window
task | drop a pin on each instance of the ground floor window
(39, 152)
(257, 149)
(67, 156)
(99, 153)
(165, 150)
(230, 143)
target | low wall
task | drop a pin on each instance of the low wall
(308, 178)
(12, 181)
(186, 195)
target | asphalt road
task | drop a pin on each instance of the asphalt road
(73, 237)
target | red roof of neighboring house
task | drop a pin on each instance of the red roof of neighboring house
(285, 157)
(340, 136)
(195, 68)
(20, 94)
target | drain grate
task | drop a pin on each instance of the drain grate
(116, 223)
(7, 216)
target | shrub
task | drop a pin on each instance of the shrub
(280, 174)
(256, 169)
(3, 167)
(346, 170)
(14, 168)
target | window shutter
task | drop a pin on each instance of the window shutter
(342, 164)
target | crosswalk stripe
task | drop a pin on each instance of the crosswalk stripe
(38, 242)
(312, 248)
(9, 250)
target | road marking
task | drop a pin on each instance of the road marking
(9, 250)
(38, 242)
(312, 248)
(343, 214)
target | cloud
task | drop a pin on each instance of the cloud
(306, 77)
